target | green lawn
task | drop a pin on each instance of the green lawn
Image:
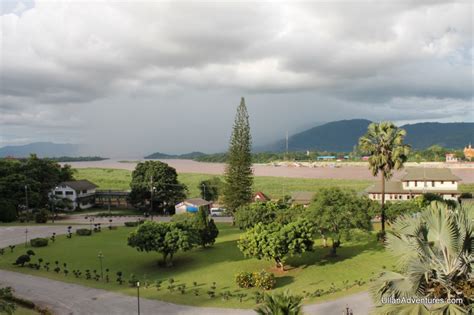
(360, 259)
(275, 187)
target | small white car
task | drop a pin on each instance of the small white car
(217, 212)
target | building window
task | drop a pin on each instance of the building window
(442, 182)
(453, 182)
(84, 191)
(59, 193)
(416, 183)
(432, 183)
(453, 195)
(68, 193)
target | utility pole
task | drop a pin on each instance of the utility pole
(287, 143)
(26, 196)
(151, 198)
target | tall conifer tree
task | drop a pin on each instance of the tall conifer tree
(238, 174)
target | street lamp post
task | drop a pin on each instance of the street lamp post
(101, 256)
(26, 237)
(347, 311)
(138, 296)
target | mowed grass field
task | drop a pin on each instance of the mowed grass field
(275, 187)
(361, 259)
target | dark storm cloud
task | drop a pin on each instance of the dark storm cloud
(111, 73)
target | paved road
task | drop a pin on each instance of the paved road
(10, 235)
(65, 298)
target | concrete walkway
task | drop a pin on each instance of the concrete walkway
(65, 298)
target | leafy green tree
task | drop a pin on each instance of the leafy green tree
(267, 212)
(384, 143)
(202, 229)
(281, 304)
(207, 229)
(7, 307)
(156, 183)
(210, 188)
(394, 210)
(33, 176)
(258, 212)
(165, 238)
(237, 189)
(7, 211)
(276, 242)
(336, 212)
(434, 254)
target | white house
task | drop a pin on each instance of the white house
(80, 192)
(416, 182)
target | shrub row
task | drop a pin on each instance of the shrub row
(262, 280)
(39, 242)
(83, 232)
(133, 223)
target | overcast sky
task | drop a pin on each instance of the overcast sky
(136, 77)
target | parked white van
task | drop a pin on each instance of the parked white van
(217, 212)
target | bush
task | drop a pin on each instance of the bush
(264, 280)
(83, 232)
(22, 260)
(7, 211)
(244, 280)
(25, 216)
(39, 242)
(133, 223)
(42, 216)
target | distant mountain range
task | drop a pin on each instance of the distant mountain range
(186, 156)
(341, 136)
(336, 136)
(41, 149)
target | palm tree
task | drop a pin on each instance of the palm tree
(435, 253)
(384, 143)
(281, 304)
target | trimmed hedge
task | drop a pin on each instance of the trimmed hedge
(39, 242)
(83, 232)
(133, 223)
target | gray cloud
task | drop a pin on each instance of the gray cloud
(124, 77)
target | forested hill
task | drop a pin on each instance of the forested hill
(341, 136)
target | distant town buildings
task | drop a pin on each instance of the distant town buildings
(469, 152)
(416, 182)
(451, 158)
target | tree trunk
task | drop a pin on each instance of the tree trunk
(383, 203)
(279, 264)
(335, 245)
(170, 261)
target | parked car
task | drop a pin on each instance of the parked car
(217, 212)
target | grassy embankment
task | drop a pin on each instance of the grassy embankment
(275, 187)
